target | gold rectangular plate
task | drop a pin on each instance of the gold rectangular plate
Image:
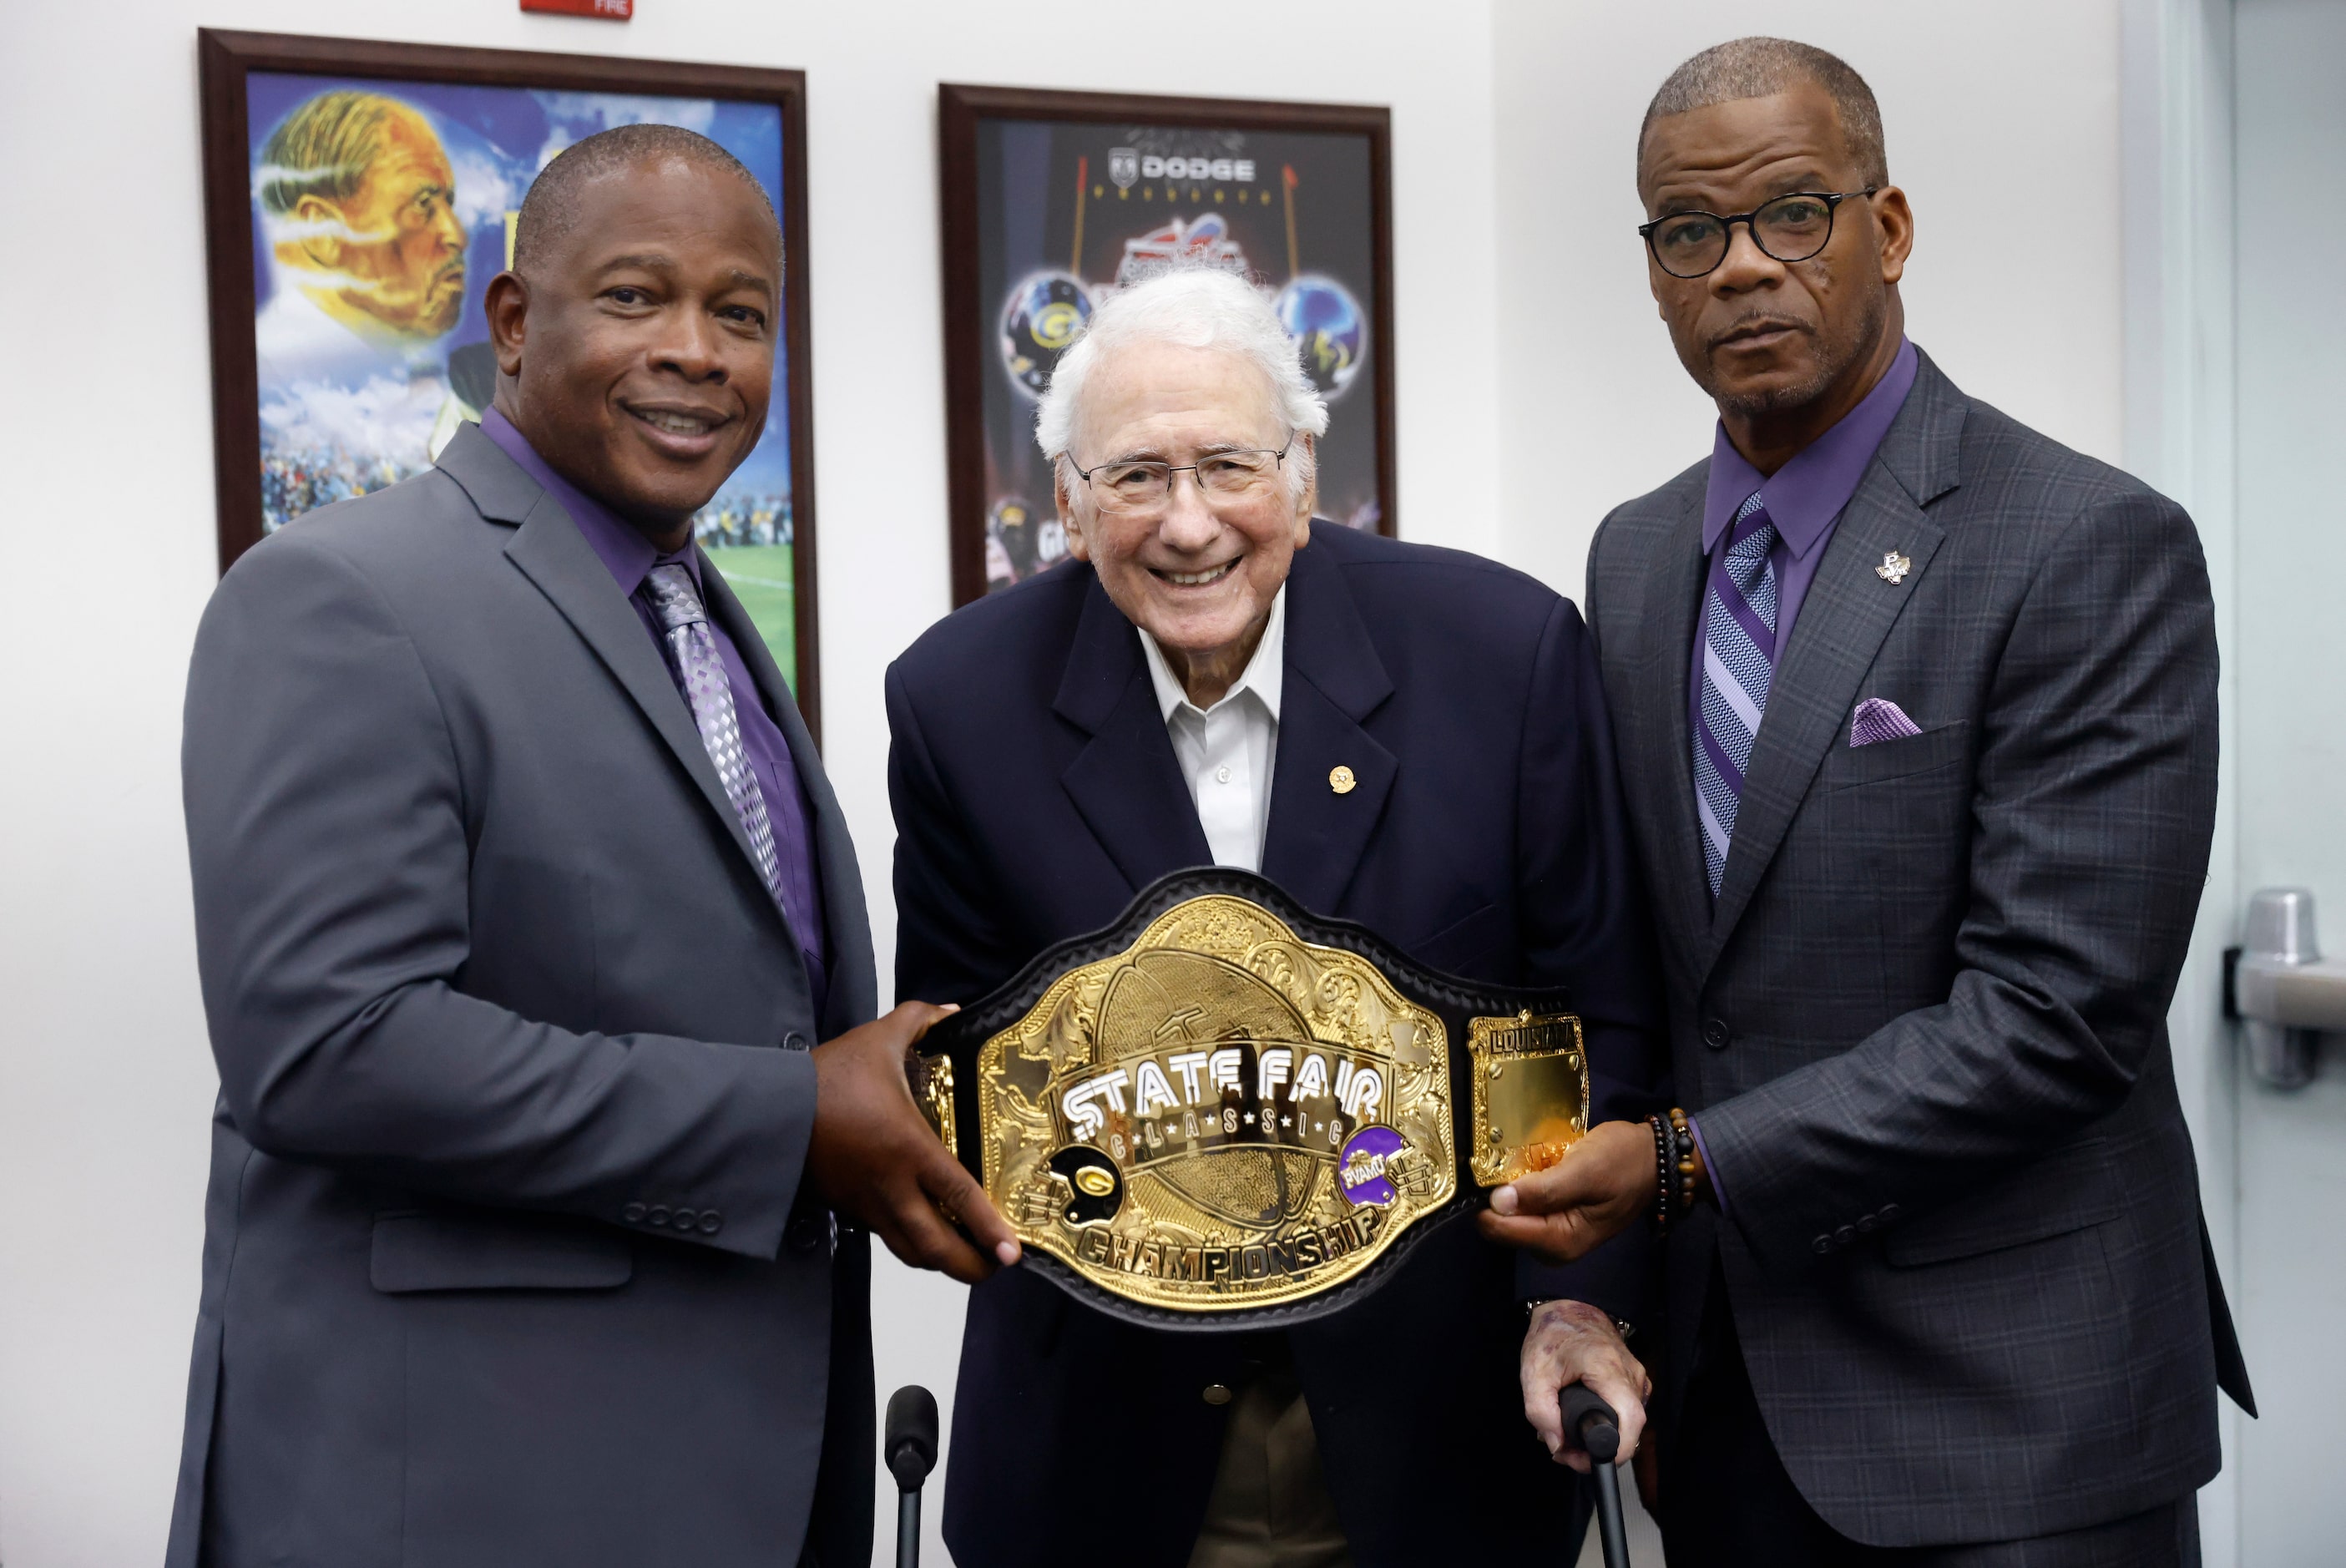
(1531, 1094)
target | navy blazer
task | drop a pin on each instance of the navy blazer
(1036, 790)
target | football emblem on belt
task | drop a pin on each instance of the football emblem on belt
(1216, 1108)
(1223, 1116)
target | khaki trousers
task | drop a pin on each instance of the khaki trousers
(1269, 1507)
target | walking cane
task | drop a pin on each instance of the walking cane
(1592, 1424)
(910, 1448)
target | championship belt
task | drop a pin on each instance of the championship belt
(1223, 1113)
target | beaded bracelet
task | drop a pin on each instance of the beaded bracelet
(1682, 1135)
(1666, 1208)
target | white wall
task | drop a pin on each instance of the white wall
(2002, 121)
(1513, 130)
(105, 1082)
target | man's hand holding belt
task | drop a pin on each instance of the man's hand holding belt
(876, 1161)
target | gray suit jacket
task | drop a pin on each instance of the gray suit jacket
(1924, 1023)
(507, 1259)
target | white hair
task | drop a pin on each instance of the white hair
(1193, 307)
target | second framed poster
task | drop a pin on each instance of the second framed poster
(1052, 200)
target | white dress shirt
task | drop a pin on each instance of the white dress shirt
(1226, 751)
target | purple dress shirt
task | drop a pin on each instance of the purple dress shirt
(1804, 499)
(630, 558)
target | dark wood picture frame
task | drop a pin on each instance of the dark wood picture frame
(224, 61)
(967, 315)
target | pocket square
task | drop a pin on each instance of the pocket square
(1879, 719)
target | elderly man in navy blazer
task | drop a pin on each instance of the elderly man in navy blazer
(1408, 737)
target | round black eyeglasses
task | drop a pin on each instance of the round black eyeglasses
(1792, 227)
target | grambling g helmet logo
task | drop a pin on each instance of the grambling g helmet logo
(1043, 314)
(1094, 1186)
(1056, 324)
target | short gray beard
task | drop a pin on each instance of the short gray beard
(1781, 400)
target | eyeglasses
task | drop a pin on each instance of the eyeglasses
(1143, 487)
(1789, 228)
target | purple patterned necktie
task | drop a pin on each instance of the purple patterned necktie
(692, 655)
(1739, 662)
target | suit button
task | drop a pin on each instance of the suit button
(633, 1213)
(794, 1041)
(1844, 1235)
(657, 1214)
(1715, 1034)
(1866, 1226)
(1820, 1245)
(1889, 1214)
(806, 1233)
(685, 1219)
(1215, 1394)
(711, 1222)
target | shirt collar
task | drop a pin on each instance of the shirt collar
(1808, 492)
(1262, 676)
(624, 552)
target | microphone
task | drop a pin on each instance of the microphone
(911, 1445)
(910, 1449)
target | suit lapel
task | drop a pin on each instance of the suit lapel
(1126, 784)
(550, 550)
(1842, 623)
(1332, 679)
(1656, 743)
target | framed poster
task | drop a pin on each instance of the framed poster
(1052, 200)
(359, 196)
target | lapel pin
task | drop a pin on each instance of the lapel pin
(1893, 568)
(1341, 779)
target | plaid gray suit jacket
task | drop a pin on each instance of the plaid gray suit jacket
(1924, 1023)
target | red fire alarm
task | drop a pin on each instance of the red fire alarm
(608, 10)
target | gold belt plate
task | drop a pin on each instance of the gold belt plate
(1221, 1117)
(1531, 1094)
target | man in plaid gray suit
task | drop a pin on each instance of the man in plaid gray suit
(1918, 709)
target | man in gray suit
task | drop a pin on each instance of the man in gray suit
(536, 1224)
(1918, 708)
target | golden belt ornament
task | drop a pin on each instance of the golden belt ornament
(1224, 1113)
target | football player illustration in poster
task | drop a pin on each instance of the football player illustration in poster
(381, 210)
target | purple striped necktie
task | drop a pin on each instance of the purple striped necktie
(692, 651)
(1738, 663)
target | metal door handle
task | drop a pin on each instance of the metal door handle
(2283, 989)
(2293, 995)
